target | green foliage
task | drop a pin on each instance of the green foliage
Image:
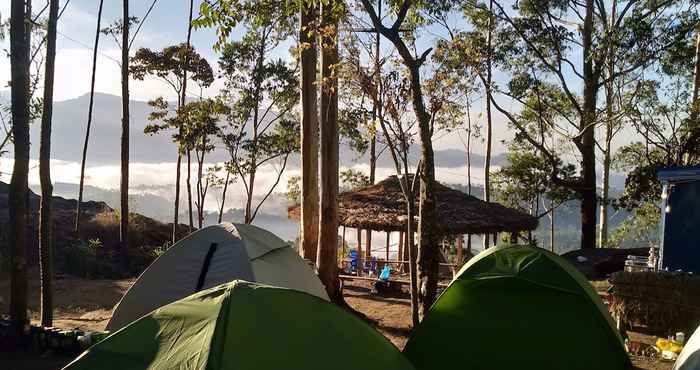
(170, 65)
(639, 230)
(293, 192)
(353, 179)
(226, 15)
(525, 182)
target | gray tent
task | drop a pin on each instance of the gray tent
(212, 256)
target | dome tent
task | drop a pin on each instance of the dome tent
(689, 359)
(517, 308)
(211, 256)
(245, 326)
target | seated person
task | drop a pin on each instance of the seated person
(383, 281)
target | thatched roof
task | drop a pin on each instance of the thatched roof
(382, 207)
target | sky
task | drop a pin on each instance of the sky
(165, 26)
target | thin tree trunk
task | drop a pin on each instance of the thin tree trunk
(587, 143)
(182, 99)
(124, 182)
(412, 263)
(552, 242)
(189, 188)
(45, 216)
(176, 216)
(223, 196)
(78, 212)
(695, 111)
(609, 123)
(469, 149)
(489, 122)
(328, 229)
(309, 137)
(20, 48)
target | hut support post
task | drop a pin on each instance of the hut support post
(460, 239)
(399, 255)
(388, 244)
(343, 242)
(495, 239)
(360, 260)
(368, 245)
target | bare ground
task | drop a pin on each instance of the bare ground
(87, 304)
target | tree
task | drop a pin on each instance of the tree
(261, 93)
(399, 136)
(172, 65)
(428, 253)
(309, 132)
(201, 125)
(78, 212)
(20, 47)
(326, 260)
(45, 216)
(540, 40)
(124, 179)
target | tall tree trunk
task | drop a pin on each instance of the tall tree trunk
(309, 137)
(587, 142)
(328, 226)
(20, 48)
(469, 150)
(183, 101)
(489, 122)
(552, 242)
(45, 216)
(200, 187)
(176, 215)
(695, 109)
(189, 188)
(373, 137)
(78, 212)
(124, 182)
(410, 246)
(609, 125)
(223, 195)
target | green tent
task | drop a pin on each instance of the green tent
(517, 308)
(242, 325)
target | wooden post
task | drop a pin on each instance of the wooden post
(360, 258)
(495, 239)
(513, 238)
(460, 239)
(469, 243)
(399, 254)
(368, 245)
(388, 244)
(343, 243)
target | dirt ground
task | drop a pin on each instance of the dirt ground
(87, 304)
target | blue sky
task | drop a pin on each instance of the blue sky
(166, 25)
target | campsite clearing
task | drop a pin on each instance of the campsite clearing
(80, 306)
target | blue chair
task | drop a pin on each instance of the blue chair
(354, 261)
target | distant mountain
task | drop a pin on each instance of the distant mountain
(70, 116)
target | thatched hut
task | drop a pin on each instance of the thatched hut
(382, 207)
